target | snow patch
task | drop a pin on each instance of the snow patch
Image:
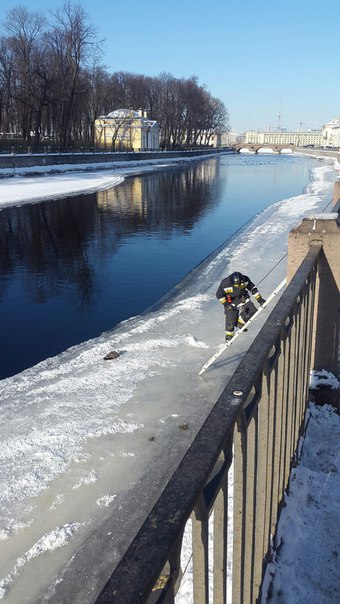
(105, 500)
(49, 542)
(323, 378)
(90, 478)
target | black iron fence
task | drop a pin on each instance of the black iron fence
(18, 146)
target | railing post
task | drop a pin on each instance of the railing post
(250, 505)
(238, 523)
(288, 402)
(200, 534)
(220, 544)
(261, 542)
(279, 379)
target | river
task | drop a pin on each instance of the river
(72, 268)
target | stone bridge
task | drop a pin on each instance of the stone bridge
(254, 147)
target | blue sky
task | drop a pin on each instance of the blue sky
(262, 58)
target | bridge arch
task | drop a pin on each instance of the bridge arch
(271, 148)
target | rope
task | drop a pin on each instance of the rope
(271, 270)
(278, 262)
(325, 208)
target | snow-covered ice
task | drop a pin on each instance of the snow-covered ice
(85, 439)
(72, 179)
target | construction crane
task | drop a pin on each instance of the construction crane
(279, 122)
(279, 119)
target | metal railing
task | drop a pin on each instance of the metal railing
(256, 423)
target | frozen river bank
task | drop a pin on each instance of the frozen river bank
(91, 439)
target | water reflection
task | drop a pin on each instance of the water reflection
(67, 266)
(165, 199)
(46, 243)
(54, 241)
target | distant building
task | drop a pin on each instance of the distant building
(127, 130)
(224, 139)
(299, 139)
(331, 133)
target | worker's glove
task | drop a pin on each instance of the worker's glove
(261, 301)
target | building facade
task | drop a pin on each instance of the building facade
(224, 139)
(127, 130)
(299, 139)
(331, 133)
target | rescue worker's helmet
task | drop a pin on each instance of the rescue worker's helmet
(236, 278)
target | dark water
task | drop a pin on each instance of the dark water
(73, 268)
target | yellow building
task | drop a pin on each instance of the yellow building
(127, 130)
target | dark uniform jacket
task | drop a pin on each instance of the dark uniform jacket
(230, 295)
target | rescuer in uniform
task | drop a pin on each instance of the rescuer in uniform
(233, 292)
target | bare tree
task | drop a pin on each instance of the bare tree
(71, 39)
(8, 116)
(52, 84)
(29, 81)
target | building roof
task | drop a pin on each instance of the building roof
(130, 113)
(123, 113)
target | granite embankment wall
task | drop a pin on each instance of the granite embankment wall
(319, 152)
(54, 159)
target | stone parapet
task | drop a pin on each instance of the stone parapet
(321, 230)
(56, 159)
